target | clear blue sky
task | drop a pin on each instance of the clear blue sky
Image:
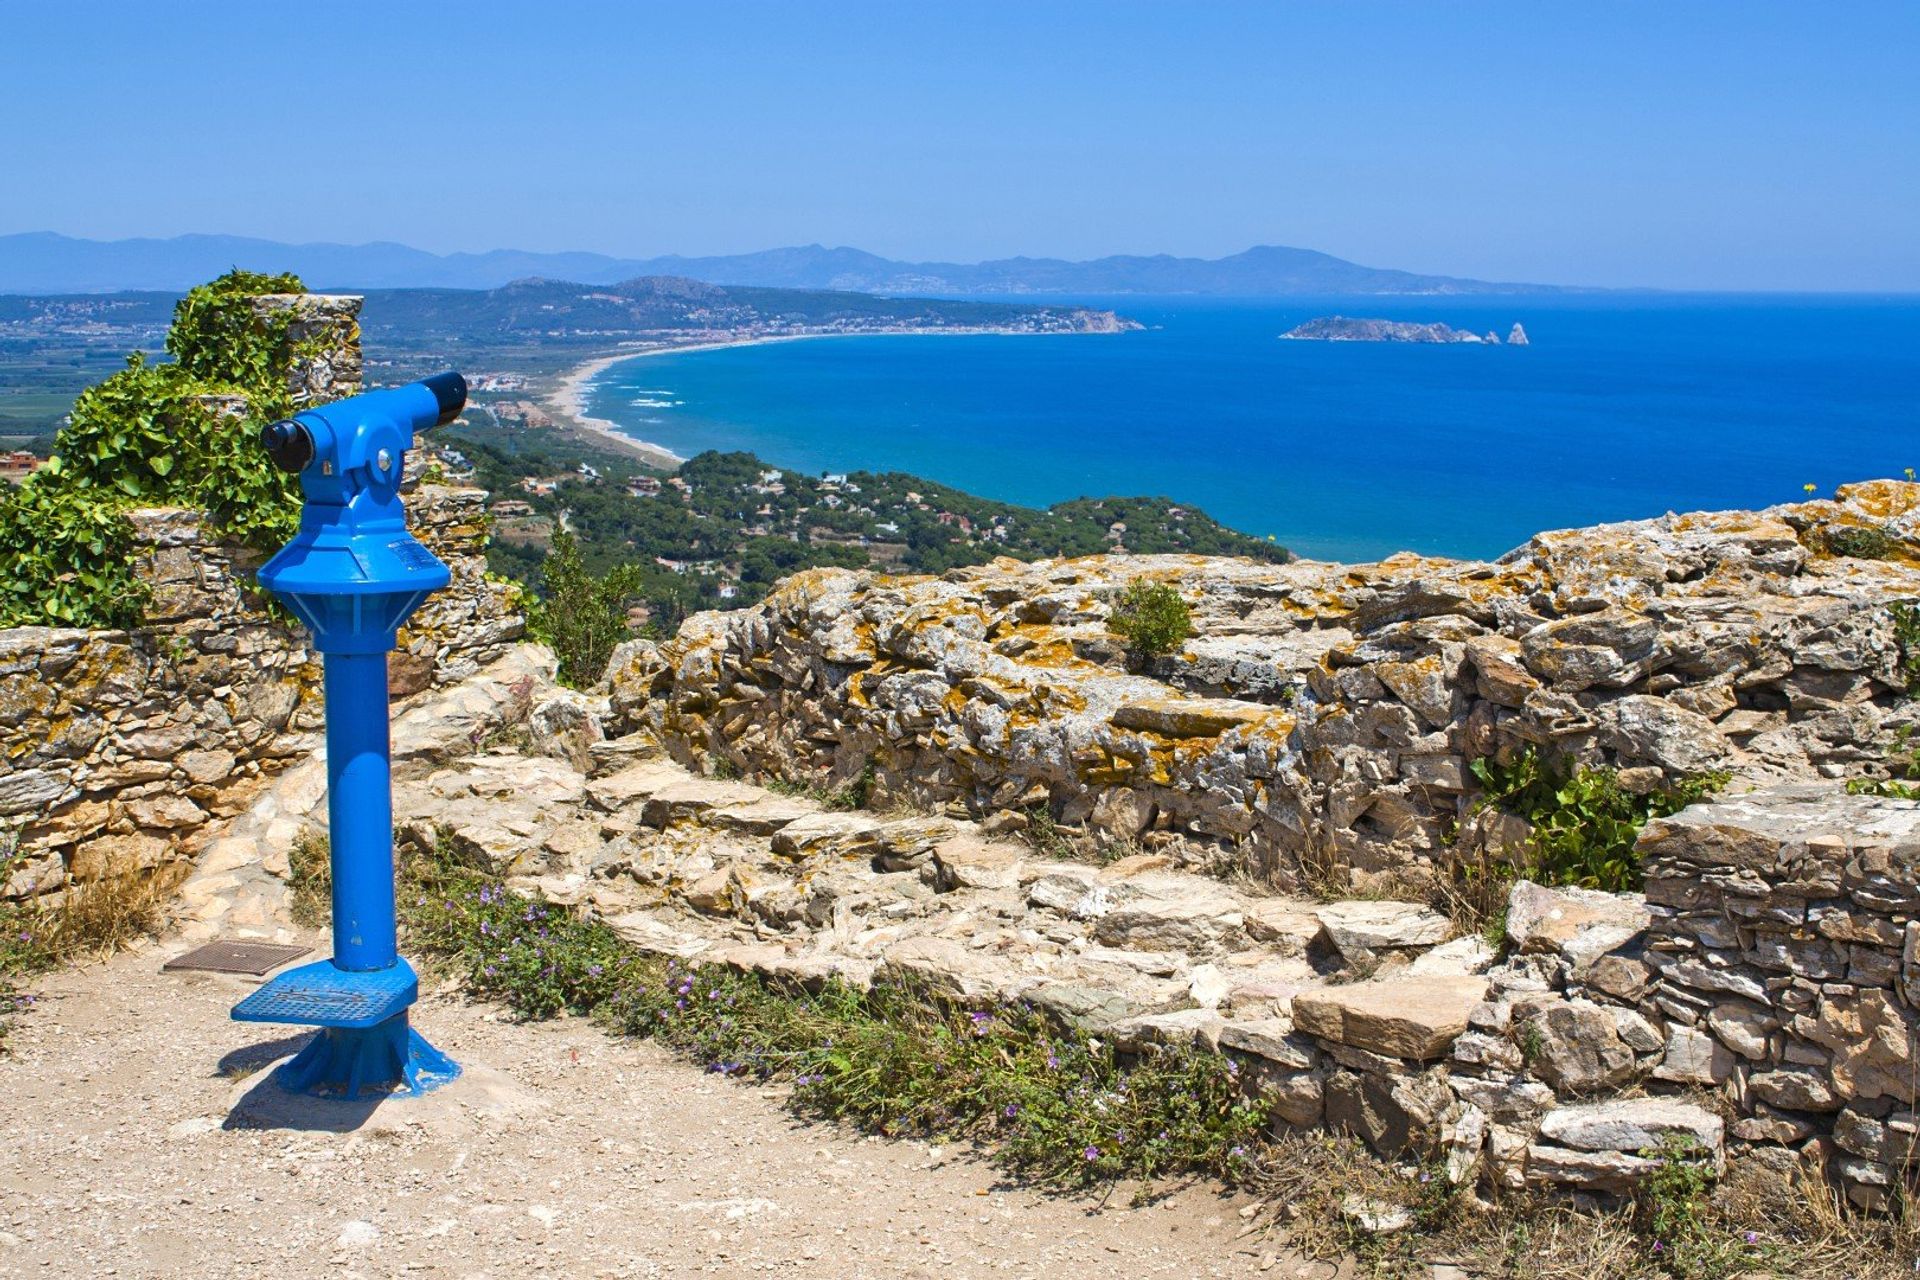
(1708, 145)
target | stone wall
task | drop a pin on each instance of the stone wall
(328, 327)
(1785, 929)
(1323, 717)
(121, 745)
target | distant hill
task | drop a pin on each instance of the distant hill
(44, 262)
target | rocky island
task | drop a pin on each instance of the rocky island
(1349, 329)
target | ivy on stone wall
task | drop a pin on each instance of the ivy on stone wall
(178, 434)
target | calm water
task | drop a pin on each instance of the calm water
(1621, 408)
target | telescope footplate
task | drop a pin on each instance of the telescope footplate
(319, 995)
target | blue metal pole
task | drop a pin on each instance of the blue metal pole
(353, 574)
(360, 811)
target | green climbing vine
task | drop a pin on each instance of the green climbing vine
(1584, 823)
(159, 434)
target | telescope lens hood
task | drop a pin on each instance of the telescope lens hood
(288, 443)
(450, 389)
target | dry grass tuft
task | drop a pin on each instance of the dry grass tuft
(310, 879)
(1755, 1223)
(107, 915)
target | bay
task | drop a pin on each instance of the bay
(1622, 406)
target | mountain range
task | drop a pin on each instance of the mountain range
(44, 262)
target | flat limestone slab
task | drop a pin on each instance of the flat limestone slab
(636, 782)
(1190, 717)
(1405, 1016)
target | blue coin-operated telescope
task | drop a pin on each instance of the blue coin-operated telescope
(353, 574)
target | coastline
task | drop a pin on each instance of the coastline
(568, 402)
(568, 399)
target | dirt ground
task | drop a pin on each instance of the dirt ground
(143, 1140)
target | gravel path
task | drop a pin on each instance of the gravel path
(563, 1152)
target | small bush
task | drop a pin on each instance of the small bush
(1903, 764)
(1584, 823)
(581, 616)
(1151, 617)
(310, 878)
(1906, 635)
(1860, 541)
(92, 919)
(103, 916)
(856, 794)
(1044, 834)
(1673, 1204)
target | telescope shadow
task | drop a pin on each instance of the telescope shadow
(248, 1059)
(265, 1105)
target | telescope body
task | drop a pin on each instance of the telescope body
(353, 574)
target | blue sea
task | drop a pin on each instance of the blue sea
(1623, 406)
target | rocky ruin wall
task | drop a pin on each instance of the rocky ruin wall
(1323, 718)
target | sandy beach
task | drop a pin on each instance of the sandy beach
(568, 402)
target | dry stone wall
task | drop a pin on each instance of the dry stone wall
(1764, 1019)
(120, 746)
(1784, 934)
(1323, 716)
(1755, 1001)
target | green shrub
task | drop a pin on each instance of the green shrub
(1151, 617)
(181, 434)
(310, 878)
(582, 616)
(855, 794)
(1906, 635)
(218, 337)
(66, 556)
(1584, 823)
(1903, 763)
(1860, 541)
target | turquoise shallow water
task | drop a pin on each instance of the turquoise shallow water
(1622, 407)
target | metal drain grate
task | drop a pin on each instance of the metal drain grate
(255, 958)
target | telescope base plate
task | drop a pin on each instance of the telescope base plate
(344, 1062)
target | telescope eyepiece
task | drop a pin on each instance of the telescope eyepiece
(450, 390)
(288, 443)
